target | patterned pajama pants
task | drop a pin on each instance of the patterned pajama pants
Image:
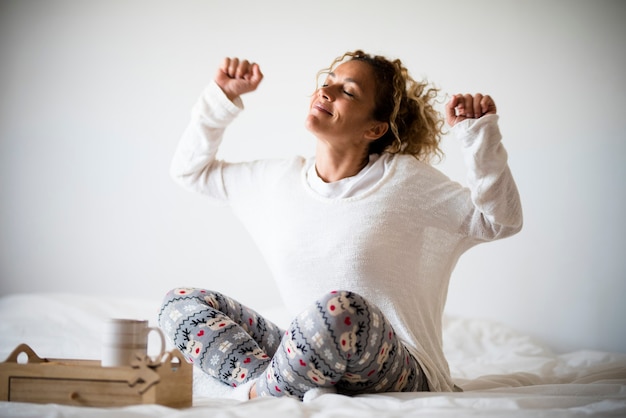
(340, 341)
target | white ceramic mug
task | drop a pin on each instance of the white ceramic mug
(125, 341)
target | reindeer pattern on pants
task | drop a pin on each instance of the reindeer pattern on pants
(340, 341)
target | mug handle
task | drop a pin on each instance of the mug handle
(157, 360)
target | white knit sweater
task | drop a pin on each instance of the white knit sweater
(395, 244)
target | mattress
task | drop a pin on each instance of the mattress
(501, 372)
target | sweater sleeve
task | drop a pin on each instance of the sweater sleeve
(497, 208)
(194, 165)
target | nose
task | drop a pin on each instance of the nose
(325, 93)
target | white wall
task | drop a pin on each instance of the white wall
(94, 95)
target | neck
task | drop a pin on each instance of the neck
(333, 165)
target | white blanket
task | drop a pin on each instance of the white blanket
(501, 372)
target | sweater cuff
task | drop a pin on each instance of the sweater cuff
(213, 105)
(482, 129)
(221, 99)
(469, 125)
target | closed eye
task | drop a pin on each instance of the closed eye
(346, 92)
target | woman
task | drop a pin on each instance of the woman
(361, 239)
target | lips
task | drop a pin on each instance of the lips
(322, 108)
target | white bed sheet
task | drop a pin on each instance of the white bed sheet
(502, 372)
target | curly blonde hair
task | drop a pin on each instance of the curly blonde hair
(415, 127)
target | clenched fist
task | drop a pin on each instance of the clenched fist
(466, 106)
(237, 77)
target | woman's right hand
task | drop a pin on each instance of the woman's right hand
(237, 77)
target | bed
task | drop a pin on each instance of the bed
(502, 372)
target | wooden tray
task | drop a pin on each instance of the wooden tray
(86, 383)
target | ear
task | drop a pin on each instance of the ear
(376, 130)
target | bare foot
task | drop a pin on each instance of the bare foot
(252, 394)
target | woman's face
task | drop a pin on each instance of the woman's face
(341, 109)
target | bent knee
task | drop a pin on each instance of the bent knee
(341, 301)
(184, 291)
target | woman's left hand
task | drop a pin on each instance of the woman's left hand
(466, 106)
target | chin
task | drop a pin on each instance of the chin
(310, 123)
